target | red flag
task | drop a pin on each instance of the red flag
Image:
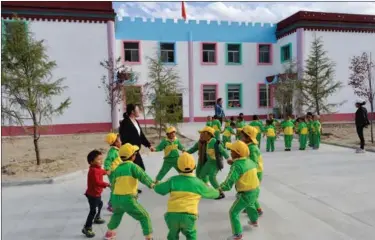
(183, 13)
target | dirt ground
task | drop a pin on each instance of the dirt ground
(60, 154)
(346, 134)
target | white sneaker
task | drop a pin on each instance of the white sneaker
(359, 150)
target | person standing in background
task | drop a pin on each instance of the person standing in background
(219, 111)
(131, 132)
(361, 121)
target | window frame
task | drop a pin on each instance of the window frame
(271, 95)
(270, 53)
(227, 57)
(174, 53)
(202, 96)
(240, 95)
(201, 53)
(3, 28)
(123, 52)
(282, 60)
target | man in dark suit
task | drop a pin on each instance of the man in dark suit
(131, 132)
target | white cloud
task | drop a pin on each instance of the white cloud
(239, 11)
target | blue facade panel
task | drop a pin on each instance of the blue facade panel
(171, 31)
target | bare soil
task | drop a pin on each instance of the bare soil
(346, 134)
(60, 154)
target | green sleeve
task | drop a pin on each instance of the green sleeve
(232, 131)
(109, 159)
(254, 157)
(180, 146)
(231, 179)
(141, 175)
(207, 192)
(261, 126)
(193, 149)
(161, 146)
(223, 152)
(163, 188)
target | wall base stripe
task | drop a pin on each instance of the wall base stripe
(106, 126)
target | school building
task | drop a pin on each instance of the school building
(231, 60)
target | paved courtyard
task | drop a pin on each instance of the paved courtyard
(327, 194)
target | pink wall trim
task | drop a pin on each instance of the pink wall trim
(271, 54)
(191, 76)
(271, 89)
(201, 53)
(201, 93)
(123, 52)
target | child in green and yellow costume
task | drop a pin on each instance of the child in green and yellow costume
(258, 124)
(270, 133)
(124, 200)
(209, 121)
(112, 160)
(240, 123)
(316, 128)
(171, 144)
(303, 132)
(216, 125)
(243, 174)
(228, 132)
(185, 190)
(288, 129)
(248, 136)
(211, 166)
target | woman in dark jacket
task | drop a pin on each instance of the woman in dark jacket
(361, 121)
(131, 132)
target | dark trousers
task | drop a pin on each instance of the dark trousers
(95, 203)
(139, 161)
(361, 137)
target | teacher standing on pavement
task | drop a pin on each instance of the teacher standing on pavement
(361, 121)
(219, 111)
(131, 132)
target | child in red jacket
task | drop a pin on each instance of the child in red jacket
(95, 186)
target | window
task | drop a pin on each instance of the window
(264, 54)
(233, 53)
(167, 52)
(133, 94)
(262, 94)
(10, 26)
(209, 96)
(131, 52)
(208, 53)
(286, 52)
(234, 95)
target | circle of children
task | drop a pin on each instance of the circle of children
(186, 189)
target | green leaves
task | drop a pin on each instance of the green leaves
(27, 81)
(318, 82)
(164, 92)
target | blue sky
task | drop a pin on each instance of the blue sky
(237, 11)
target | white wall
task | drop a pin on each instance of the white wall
(341, 47)
(291, 38)
(249, 74)
(77, 49)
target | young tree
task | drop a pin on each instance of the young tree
(27, 83)
(318, 82)
(119, 76)
(163, 91)
(285, 88)
(362, 81)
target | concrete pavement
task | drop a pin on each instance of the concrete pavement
(326, 194)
